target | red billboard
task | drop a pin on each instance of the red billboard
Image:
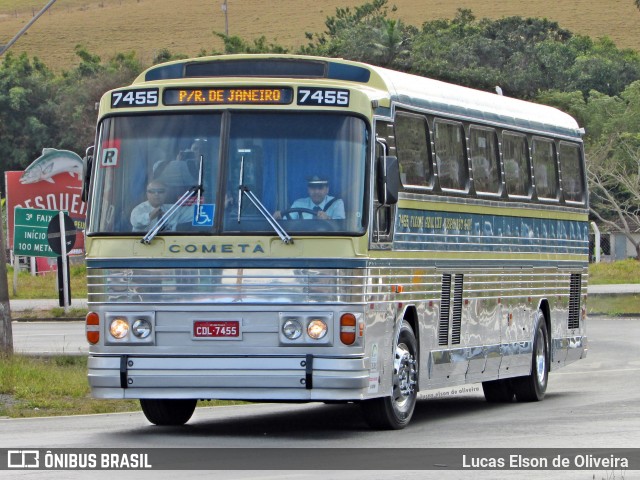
(51, 182)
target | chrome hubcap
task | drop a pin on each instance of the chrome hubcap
(541, 360)
(405, 375)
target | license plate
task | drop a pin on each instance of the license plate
(217, 329)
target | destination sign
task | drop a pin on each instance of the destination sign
(228, 96)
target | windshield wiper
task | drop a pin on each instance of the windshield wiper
(196, 189)
(244, 189)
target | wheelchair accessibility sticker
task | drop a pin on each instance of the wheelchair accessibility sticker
(203, 216)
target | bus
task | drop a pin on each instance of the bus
(304, 229)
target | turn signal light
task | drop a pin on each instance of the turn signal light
(348, 328)
(92, 328)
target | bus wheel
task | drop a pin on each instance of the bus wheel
(498, 391)
(394, 412)
(532, 387)
(168, 412)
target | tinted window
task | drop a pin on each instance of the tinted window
(485, 164)
(412, 143)
(544, 168)
(450, 155)
(572, 176)
(515, 154)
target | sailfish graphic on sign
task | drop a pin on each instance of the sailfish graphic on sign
(52, 162)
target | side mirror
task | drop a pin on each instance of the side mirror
(87, 164)
(388, 180)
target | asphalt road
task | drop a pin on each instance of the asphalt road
(593, 403)
(50, 337)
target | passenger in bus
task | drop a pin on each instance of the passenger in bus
(176, 175)
(323, 205)
(146, 214)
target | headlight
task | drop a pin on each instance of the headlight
(292, 329)
(141, 328)
(317, 329)
(119, 328)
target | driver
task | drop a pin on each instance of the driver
(319, 204)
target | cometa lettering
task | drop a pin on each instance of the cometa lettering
(213, 248)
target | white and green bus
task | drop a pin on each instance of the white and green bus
(290, 228)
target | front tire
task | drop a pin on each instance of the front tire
(533, 387)
(168, 412)
(395, 411)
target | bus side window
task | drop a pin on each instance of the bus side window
(515, 154)
(485, 160)
(451, 159)
(544, 168)
(412, 141)
(572, 176)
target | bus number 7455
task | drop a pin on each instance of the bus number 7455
(323, 96)
(135, 98)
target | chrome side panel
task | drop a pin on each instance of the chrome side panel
(568, 350)
(489, 337)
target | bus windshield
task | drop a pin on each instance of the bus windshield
(307, 170)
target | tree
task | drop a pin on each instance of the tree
(613, 165)
(25, 125)
(6, 336)
(390, 43)
(234, 44)
(612, 145)
(75, 94)
(40, 109)
(522, 55)
(615, 191)
(365, 34)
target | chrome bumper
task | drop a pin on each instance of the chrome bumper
(304, 378)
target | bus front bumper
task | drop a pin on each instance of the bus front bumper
(301, 378)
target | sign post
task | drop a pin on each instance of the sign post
(61, 236)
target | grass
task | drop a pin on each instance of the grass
(107, 27)
(54, 313)
(51, 386)
(38, 387)
(614, 305)
(44, 285)
(623, 271)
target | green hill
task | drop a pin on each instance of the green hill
(107, 27)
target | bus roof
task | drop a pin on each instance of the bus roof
(398, 88)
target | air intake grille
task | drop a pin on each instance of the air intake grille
(574, 300)
(456, 321)
(445, 306)
(450, 317)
